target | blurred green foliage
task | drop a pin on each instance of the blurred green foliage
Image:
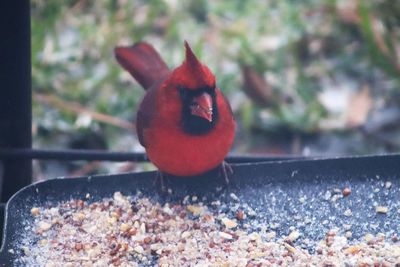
(300, 48)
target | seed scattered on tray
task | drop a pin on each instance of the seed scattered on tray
(234, 197)
(138, 231)
(381, 209)
(388, 184)
(293, 236)
(35, 211)
(348, 213)
(240, 215)
(346, 192)
(229, 223)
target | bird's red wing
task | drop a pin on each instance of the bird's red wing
(146, 112)
(143, 62)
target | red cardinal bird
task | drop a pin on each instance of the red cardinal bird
(184, 122)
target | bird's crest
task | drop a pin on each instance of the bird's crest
(191, 60)
(192, 74)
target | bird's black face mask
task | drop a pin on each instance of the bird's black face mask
(199, 110)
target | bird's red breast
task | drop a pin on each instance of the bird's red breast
(184, 122)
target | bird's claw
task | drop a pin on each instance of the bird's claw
(160, 180)
(226, 171)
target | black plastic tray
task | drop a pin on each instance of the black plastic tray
(272, 189)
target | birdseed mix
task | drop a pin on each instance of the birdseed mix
(139, 231)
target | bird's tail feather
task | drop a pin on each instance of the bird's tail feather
(143, 62)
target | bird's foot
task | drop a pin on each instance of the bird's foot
(160, 182)
(225, 171)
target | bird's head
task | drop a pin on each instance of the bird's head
(196, 87)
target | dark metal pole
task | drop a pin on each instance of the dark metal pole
(15, 92)
(71, 155)
(104, 155)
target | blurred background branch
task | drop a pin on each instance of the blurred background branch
(77, 109)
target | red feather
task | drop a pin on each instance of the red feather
(143, 62)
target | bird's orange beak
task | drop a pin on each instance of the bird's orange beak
(202, 106)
